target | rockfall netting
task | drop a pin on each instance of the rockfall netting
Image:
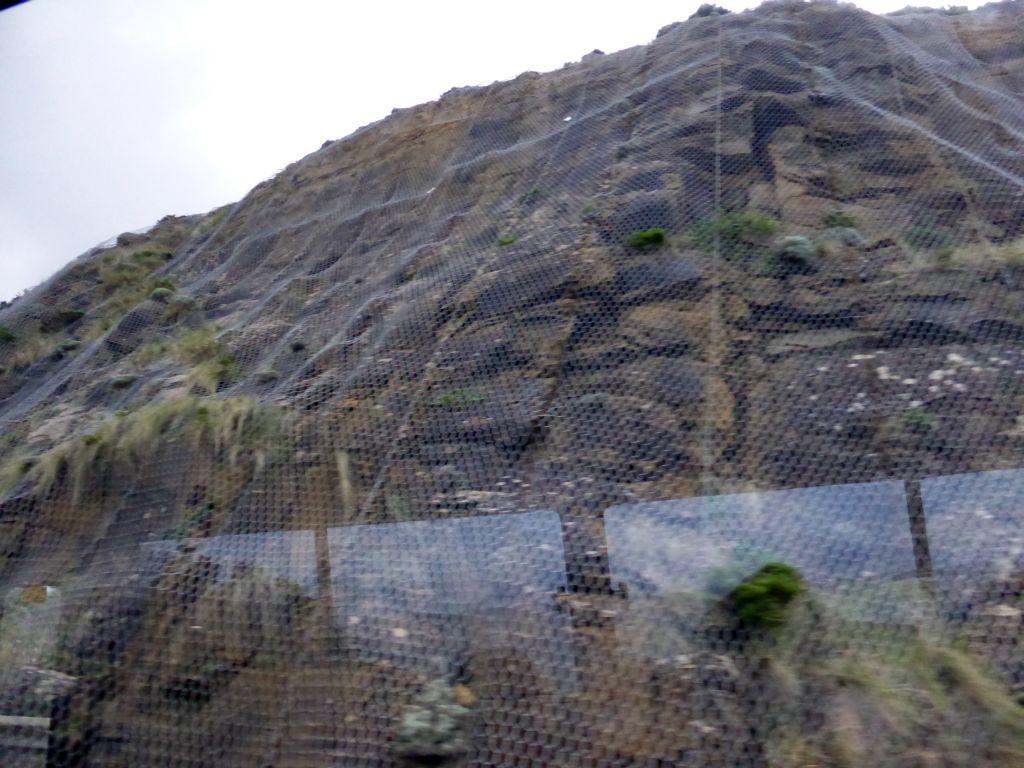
(664, 410)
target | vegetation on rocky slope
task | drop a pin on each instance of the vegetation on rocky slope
(823, 293)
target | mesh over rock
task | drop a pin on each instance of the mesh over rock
(663, 410)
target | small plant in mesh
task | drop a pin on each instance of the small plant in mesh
(925, 238)
(212, 374)
(123, 380)
(69, 316)
(434, 727)
(532, 197)
(735, 234)
(196, 521)
(506, 240)
(918, 419)
(178, 306)
(763, 598)
(65, 347)
(459, 398)
(164, 282)
(839, 220)
(7, 336)
(655, 237)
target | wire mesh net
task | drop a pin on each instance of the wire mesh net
(664, 410)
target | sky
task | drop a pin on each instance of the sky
(118, 112)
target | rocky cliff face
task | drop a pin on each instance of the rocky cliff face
(770, 250)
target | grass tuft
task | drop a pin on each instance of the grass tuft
(655, 237)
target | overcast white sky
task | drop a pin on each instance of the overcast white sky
(117, 112)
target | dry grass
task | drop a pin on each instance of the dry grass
(212, 220)
(27, 350)
(125, 283)
(198, 349)
(986, 253)
(119, 269)
(220, 429)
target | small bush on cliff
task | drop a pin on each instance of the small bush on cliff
(459, 398)
(648, 238)
(792, 255)
(506, 240)
(211, 375)
(7, 336)
(70, 316)
(839, 219)
(735, 234)
(918, 419)
(763, 598)
(123, 380)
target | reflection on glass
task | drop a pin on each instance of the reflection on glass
(29, 630)
(284, 554)
(976, 530)
(436, 593)
(851, 543)
(28, 625)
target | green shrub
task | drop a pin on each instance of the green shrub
(839, 219)
(151, 259)
(918, 419)
(647, 238)
(791, 255)
(178, 306)
(763, 598)
(925, 238)
(161, 294)
(123, 380)
(69, 316)
(7, 336)
(459, 398)
(69, 345)
(736, 233)
(506, 240)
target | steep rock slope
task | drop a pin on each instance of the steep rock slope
(442, 315)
